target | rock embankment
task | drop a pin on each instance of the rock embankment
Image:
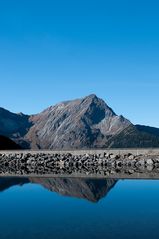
(104, 164)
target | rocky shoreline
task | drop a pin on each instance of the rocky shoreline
(105, 164)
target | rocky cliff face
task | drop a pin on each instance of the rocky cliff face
(78, 124)
(82, 123)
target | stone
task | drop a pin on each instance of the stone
(131, 157)
(157, 160)
(141, 162)
(149, 161)
(119, 164)
(75, 164)
(112, 156)
(149, 167)
(131, 171)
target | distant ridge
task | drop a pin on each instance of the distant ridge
(77, 124)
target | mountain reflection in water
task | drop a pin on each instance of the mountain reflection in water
(33, 208)
(89, 189)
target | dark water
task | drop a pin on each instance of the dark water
(78, 208)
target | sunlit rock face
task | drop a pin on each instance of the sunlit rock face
(81, 123)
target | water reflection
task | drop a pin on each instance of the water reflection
(89, 189)
(32, 210)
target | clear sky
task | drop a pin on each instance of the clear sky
(52, 51)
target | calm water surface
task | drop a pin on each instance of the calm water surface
(78, 208)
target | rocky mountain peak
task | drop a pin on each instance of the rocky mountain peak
(91, 97)
(93, 100)
(75, 124)
(79, 123)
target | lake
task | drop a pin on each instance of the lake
(64, 208)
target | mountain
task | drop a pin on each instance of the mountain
(14, 126)
(134, 137)
(148, 129)
(81, 123)
(78, 124)
(6, 143)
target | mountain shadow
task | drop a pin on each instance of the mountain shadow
(7, 144)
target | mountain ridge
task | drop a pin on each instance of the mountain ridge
(76, 124)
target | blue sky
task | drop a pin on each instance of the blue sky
(52, 51)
